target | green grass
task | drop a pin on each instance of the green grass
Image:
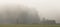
(27, 25)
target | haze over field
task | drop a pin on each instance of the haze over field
(50, 9)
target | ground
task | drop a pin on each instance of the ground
(28, 25)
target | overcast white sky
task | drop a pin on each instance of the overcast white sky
(47, 8)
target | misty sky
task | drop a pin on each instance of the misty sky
(49, 9)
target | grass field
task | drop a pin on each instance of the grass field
(27, 25)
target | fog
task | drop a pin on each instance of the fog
(50, 9)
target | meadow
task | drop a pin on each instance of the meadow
(29, 25)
